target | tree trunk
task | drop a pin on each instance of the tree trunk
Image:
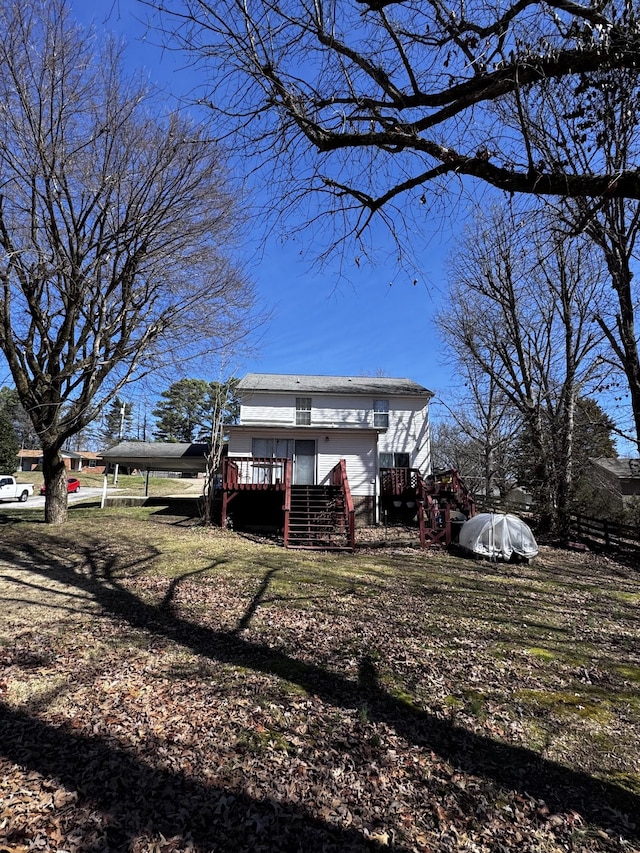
(543, 479)
(627, 332)
(565, 474)
(55, 479)
(617, 244)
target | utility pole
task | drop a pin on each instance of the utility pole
(123, 412)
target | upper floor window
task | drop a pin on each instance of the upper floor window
(381, 414)
(303, 411)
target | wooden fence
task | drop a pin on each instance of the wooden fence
(595, 532)
(606, 534)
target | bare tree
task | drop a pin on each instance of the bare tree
(594, 125)
(364, 101)
(479, 431)
(524, 315)
(226, 410)
(115, 221)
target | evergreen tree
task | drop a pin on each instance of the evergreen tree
(23, 428)
(117, 428)
(8, 444)
(592, 438)
(189, 407)
(593, 432)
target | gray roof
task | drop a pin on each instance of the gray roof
(303, 384)
(622, 467)
(158, 455)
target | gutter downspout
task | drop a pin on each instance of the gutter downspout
(376, 483)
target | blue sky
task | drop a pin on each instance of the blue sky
(338, 320)
(342, 318)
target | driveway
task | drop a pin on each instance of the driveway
(85, 493)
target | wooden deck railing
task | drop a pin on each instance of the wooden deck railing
(396, 481)
(288, 470)
(435, 497)
(339, 478)
(449, 485)
(254, 472)
(434, 523)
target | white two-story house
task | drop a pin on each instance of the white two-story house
(372, 423)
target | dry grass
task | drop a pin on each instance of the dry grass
(264, 699)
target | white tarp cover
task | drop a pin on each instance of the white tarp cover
(498, 536)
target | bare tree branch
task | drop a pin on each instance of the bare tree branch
(422, 88)
(115, 229)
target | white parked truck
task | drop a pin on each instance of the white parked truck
(11, 490)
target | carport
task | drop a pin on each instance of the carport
(151, 456)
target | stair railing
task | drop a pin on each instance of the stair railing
(339, 478)
(437, 496)
(395, 482)
(229, 482)
(287, 502)
(229, 474)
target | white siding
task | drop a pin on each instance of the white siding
(268, 409)
(239, 442)
(408, 432)
(334, 416)
(357, 448)
(327, 410)
(332, 410)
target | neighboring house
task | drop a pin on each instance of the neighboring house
(518, 499)
(83, 460)
(29, 460)
(618, 478)
(314, 422)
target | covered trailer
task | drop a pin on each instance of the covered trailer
(498, 536)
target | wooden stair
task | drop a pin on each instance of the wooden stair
(317, 519)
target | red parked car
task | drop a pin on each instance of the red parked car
(73, 486)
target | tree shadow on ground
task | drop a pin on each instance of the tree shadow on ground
(139, 802)
(600, 803)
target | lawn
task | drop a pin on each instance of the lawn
(128, 484)
(168, 687)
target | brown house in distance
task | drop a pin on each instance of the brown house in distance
(83, 460)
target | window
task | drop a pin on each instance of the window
(303, 411)
(265, 450)
(93, 463)
(381, 414)
(386, 460)
(394, 460)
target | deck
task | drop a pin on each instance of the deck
(327, 520)
(256, 473)
(404, 492)
(431, 500)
